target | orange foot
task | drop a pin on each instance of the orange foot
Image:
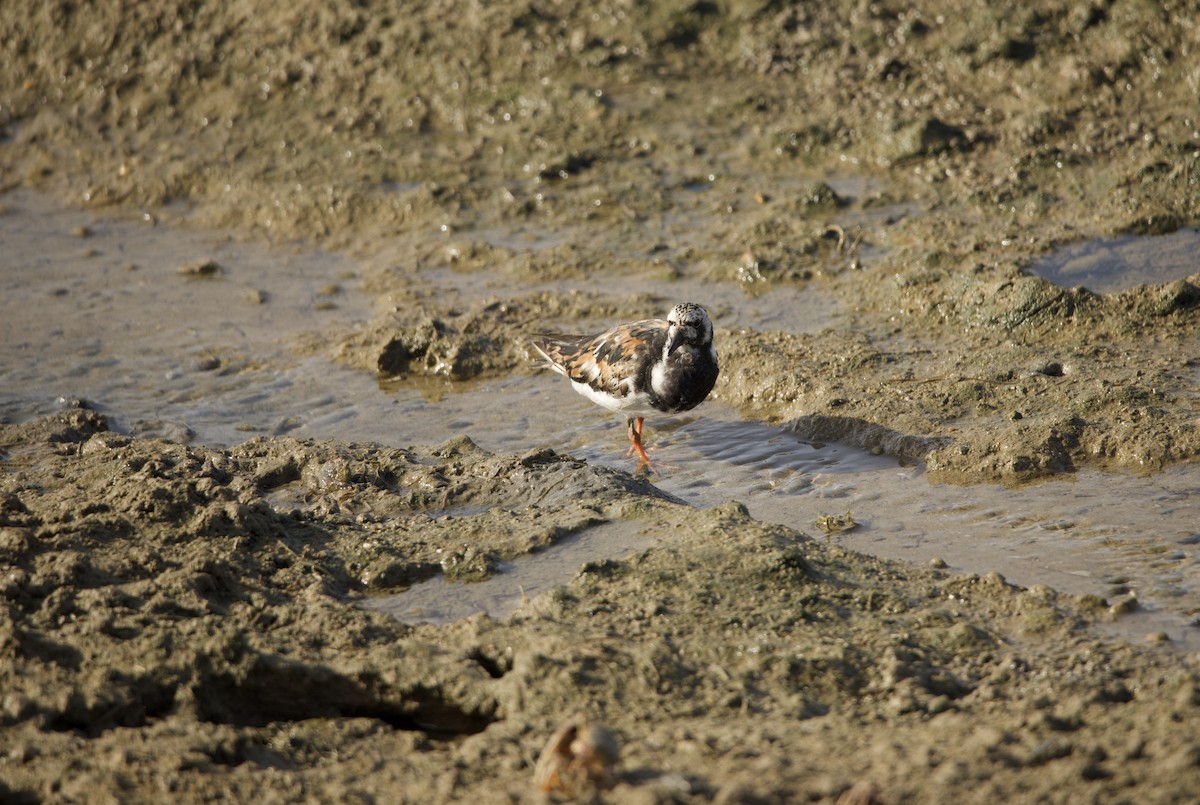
(635, 447)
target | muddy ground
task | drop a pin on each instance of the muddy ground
(175, 616)
(176, 627)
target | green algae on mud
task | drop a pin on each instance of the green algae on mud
(175, 620)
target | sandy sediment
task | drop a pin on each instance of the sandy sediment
(178, 620)
(176, 623)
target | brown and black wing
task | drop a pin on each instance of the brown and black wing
(616, 362)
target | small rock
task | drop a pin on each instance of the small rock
(208, 363)
(579, 759)
(819, 196)
(1049, 369)
(17, 707)
(924, 138)
(201, 269)
(1125, 606)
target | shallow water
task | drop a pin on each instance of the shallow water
(1106, 265)
(103, 314)
(439, 601)
(113, 311)
(1080, 534)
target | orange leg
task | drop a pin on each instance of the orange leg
(635, 440)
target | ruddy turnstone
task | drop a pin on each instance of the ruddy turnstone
(666, 365)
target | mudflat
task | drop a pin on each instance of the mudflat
(184, 618)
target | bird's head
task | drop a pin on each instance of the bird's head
(688, 323)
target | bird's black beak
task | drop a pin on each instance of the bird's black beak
(674, 339)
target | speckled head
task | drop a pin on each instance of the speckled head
(689, 324)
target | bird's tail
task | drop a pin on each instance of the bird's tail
(546, 346)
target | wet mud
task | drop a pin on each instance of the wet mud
(187, 634)
(874, 196)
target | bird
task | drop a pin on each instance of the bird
(640, 368)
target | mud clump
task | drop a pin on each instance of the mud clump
(182, 618)
(435, 348)
(923, 138)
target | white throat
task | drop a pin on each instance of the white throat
(658, 378)
(658, 375)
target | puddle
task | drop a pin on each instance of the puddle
(107, 317)
(1107, 535)
(1107, 265)
(118, 312)
(1078, 535)
(441, 601)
